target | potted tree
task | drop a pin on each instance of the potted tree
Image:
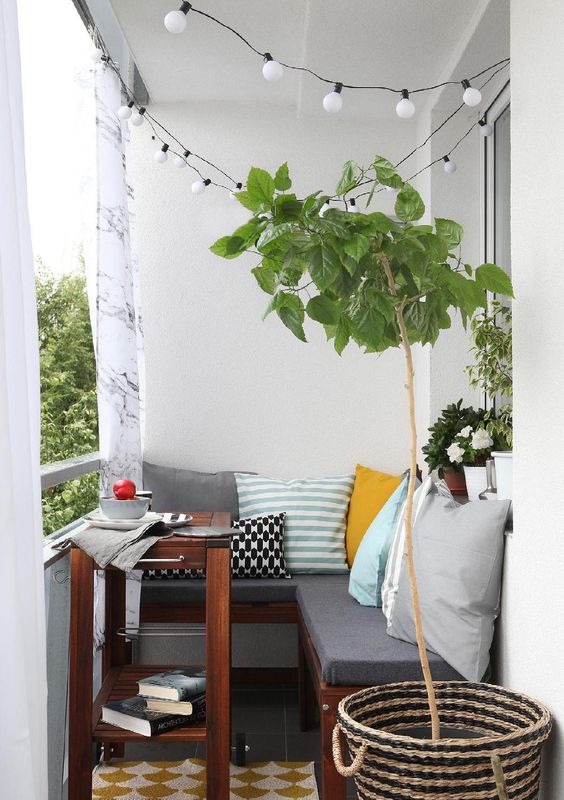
(379, 282)
(492, 372)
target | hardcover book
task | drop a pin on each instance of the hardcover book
(175, 684)
(133, 715)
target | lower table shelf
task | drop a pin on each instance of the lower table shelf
(121, 683)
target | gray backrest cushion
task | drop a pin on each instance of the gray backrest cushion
(458, 554)
(177, 489)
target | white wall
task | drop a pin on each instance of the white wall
(224, 389)
(532, 641)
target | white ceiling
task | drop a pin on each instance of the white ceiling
(402, 43)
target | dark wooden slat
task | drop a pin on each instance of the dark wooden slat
(80, 675)
(218, 666)
(264, 613)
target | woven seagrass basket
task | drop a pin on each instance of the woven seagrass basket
(389, 765)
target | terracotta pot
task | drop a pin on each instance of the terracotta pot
(456, 482)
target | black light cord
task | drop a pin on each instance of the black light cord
(321, 78)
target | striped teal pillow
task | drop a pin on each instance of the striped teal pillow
(316, 517)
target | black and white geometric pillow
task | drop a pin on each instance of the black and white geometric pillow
(257, 551)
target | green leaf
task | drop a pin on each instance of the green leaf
(273, 232)
(386, 173)
(260, 187)
(342, 334)
(368, 327)
(382, 302)
(287, 206)
(468, 294)
(290, 309)
(220, 247)
(348, 179)
(282, 178)
(324, 266)
(409, 205)
(248, 201)
(233, 246)
(494, 279)
(450, 231)
(357, 246)
(322, 309)
(266, 278)
(333, 224)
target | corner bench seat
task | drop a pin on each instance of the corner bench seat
(350, 640)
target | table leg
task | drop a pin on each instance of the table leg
(218, 666)
(115, 652)
(80, 675)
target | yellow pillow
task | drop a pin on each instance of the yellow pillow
(370, 492)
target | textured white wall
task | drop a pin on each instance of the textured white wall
(224, 389)
(532, 638)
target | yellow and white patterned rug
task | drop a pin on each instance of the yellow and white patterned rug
(186, 780)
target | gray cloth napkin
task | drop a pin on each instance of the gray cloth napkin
(122, 549)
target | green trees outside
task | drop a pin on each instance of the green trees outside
(69, 417)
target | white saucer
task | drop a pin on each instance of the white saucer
(99, 520)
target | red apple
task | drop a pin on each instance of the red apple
(124, 489)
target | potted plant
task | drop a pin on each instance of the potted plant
(454, 422)
(380, 282)
(492, 372)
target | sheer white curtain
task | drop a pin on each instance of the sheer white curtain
(113, 289)
(23, 707)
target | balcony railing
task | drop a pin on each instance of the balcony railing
(57, 602)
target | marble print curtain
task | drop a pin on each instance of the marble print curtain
(116, 316)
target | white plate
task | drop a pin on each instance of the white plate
(99, 520)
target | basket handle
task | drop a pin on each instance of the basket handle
(358, 761)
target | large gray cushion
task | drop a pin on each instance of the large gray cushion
(351, 641)
(458, 554)
(177, 489)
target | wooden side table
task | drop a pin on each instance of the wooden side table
(120, 678)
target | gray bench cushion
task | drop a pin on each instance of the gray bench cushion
(351, 640)
(187, 490)
(243, 590)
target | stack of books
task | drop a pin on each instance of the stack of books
(164, 702)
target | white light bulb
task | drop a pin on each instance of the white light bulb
(486, 129)
(179, 162)
(333, 102)
(391, 189)
(160, 156)
(96, 55)
(324, 209)
(405, 108)
(449, 166)
(471, 97)
(198, 187)
(125, 112)
(353, 208)
(272, 70)
(175, 21)
(137, 119)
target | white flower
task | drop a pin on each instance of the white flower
(466, 431)
(481, 440)
(455, 453)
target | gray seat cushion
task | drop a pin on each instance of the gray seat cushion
(187, 490)
(351, 640)
(243, 590)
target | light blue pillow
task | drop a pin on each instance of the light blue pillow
(369, 566)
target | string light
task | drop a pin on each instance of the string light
(272, 70)
(333, 102)
(485, 128)
(180, 160)
(126, 111)
(233, 195)
(405, 108)
(161, 155)
(199, 187)
(175, 21)
(137, 117)
(449, 166)
(472, 97)
(353, 208)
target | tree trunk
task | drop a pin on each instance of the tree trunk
(435, 723)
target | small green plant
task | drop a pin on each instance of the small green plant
(448, 429)
(367, 278)
(492, 370)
